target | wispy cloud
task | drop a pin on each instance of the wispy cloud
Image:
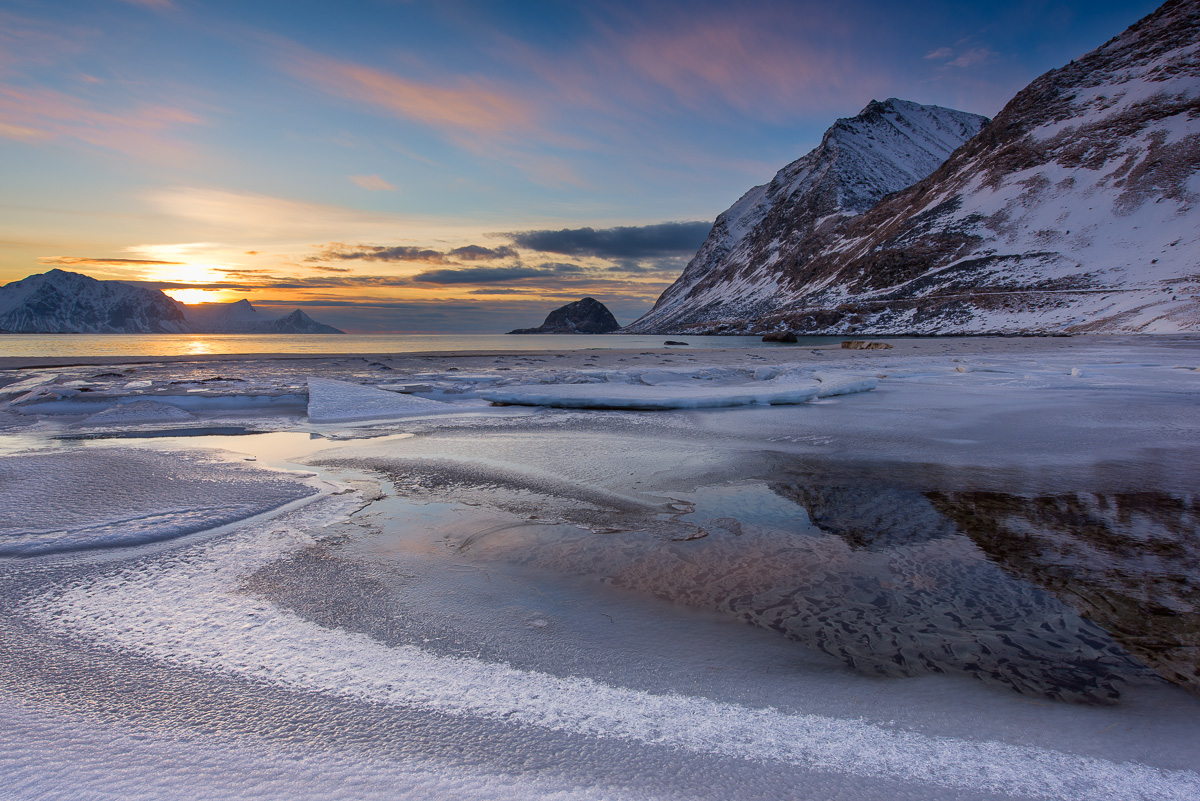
(144, 131)
(463, 107)
(87, 261)
(976, 55)
(158, 5)
(940, 53)
(260, 218)
(373, 183)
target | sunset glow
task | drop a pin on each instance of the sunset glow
(403, 168)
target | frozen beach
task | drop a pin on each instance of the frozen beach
(960, 568)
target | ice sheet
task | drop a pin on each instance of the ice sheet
(331, 401)
(664, 394)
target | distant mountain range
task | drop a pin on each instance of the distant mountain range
(61, 302)
(1076, 209)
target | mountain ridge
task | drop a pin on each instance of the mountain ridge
(62, 302)
(1074, 210)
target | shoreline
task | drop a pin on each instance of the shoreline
(775, 354)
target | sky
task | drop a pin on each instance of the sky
(447, 166)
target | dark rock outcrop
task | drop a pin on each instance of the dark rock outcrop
(587, 316)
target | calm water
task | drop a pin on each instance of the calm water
(200, 344)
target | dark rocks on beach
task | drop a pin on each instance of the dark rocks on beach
(586, 316)
(674, 342)
(779, 336)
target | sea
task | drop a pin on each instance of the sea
(88, 345)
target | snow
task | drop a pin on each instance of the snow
(331, 401)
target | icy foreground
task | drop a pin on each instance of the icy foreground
(438, 597)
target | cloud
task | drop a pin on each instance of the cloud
(561, 267)
(972, 57)
(472, 108)
(480, 275)
(261, 218)
(480, 253)
(940, 53)
(373, 183)
(380, 253)
(87, 261)
(624, 242)
(408, 253)
(38, 114)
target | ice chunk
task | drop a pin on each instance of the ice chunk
(331, 401)
(136, 412)
(671, 396)
(844, 384)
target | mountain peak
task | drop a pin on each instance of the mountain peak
(887, 147)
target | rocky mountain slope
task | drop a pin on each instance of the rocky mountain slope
(1075, 210)
(61, 302)
(586, 316)
(887, 147)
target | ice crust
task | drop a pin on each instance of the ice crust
(91, 498)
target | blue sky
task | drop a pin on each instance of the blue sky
(389, 165)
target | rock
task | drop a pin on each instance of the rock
(860, 344)
(674, 342)
(780, 336)
(586, 316)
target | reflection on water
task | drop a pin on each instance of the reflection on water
(919, 598)
(89, 345)
(1130, 562)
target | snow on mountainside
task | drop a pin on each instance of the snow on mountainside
(1075, 210)
(888, 146)
(61, 302)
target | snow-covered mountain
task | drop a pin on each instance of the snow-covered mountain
(1077, 209)
(61, 302)
(736, 274)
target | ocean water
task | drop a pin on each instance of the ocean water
(72, 345)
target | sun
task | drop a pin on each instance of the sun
(190, 296)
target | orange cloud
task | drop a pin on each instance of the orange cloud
(467, 107)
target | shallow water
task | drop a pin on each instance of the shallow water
(89, 345)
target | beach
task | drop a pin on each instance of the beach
(949, 568)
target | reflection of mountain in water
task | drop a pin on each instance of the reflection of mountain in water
(907, 606)
(1128, 562)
